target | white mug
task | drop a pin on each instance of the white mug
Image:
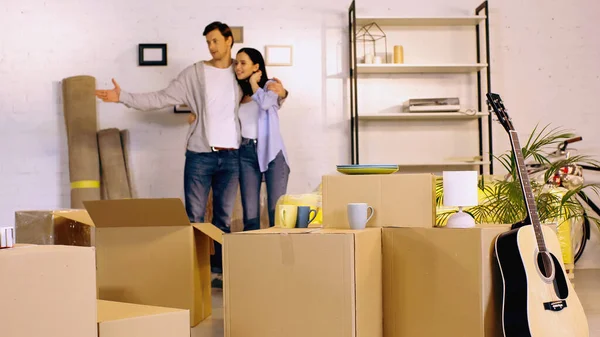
(357, 215)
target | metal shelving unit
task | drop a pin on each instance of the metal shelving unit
(386, 68)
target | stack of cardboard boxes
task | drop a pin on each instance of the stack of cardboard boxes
(50, 290)
(133, 267)
(401, 276)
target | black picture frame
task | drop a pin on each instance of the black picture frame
(181, 108)
(144, 62)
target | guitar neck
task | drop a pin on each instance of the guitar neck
(527, 191)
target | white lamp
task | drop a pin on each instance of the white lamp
(460, 190)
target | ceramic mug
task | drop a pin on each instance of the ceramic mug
(304, 216)
(357, 215)
(287, 215)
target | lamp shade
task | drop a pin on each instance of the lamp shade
(460, 188)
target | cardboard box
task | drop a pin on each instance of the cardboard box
(149, 253)
(133, 320)
(303, 282)
(46, 227)
(399, 200)
(47, 291)
(441, 282)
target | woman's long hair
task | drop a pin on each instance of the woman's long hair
(256, 58)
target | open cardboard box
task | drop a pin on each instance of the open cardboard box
(149, 253)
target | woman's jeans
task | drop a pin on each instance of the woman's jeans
(251, 178)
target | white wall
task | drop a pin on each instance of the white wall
(545, 67)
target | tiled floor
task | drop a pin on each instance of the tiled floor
(587, 286)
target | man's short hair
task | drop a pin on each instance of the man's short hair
(222, 27)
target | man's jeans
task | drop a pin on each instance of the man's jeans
(219, 170)
(276, 178)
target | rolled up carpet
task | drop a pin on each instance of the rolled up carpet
(79, 106)
(113, 164)
(125, 143)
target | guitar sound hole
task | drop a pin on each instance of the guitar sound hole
(545, 264)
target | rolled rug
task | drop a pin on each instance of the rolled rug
(112, 160)
(125, 143)
(79, 106)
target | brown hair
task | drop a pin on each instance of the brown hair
(222, 27)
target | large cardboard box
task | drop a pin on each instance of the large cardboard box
(50, 227)
(303, 282)
(399, 200)
(441, 282)
(47, 291)
(117, 319)
(149, 253)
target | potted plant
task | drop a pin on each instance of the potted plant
(556, 186)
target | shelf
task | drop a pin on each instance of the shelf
(403, 68)
(422, 115)
(446, 163)
(421, 21)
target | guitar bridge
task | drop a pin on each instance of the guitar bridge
(556, 305)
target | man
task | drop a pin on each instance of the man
(210, 89)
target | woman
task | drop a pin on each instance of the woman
(262, 151)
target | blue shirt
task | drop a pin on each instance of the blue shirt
(269, 141)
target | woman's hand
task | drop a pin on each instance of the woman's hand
(191, 118)
(255, 78)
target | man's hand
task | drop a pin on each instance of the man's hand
(110, 95)
(277, 88)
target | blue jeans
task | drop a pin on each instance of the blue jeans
(219, 170)
(251, 178)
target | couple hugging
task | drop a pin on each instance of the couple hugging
(234, 135)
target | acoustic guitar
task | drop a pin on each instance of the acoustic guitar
(538, 299)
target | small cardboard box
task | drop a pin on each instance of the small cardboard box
(46, 227)
(117, 319)
(47, 291)
(441, 282)
(303, 282)
(399, 200)
(149, 253)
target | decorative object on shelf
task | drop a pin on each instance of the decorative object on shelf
(368, 169)
(238, 34)
(371, 33)
(181, 108)
(442, 104)
(460, 190)
(278, 55)
(398, 54)
(7, 237)
(152, 54)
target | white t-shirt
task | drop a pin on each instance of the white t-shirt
(221, 123)
(249, 119)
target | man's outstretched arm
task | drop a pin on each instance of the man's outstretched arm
(172, 95)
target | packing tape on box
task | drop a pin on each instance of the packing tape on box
(7, 237)
(287, 249)
(85, 184)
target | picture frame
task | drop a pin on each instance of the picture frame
(181, 109)
(152, 54)
(279, 55)
(238, 34)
